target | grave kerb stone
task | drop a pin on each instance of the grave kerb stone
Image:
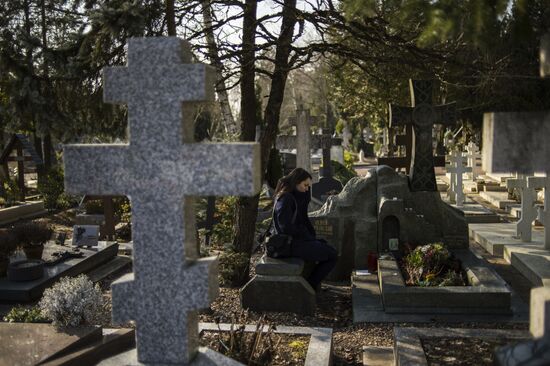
(528, 210)
(161, 170)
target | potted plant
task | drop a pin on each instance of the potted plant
(8, 244)
(32, 236)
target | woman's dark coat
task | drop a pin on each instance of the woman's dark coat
(302, 229)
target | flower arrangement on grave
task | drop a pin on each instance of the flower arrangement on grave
(32, 236)
(432, 265)
(72, 301)
(8, 245)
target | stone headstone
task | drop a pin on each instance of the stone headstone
(161, 170)
(519, 142)
(528, 133)
(85, 235)
(474, 160)
(543, 212)
(528, 210)
(422, 116)
(302, 141)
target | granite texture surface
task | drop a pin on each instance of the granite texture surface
(160, 170)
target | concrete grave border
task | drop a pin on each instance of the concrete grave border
(408, 348)
(487, 293)
(319, 351)
(24, 210)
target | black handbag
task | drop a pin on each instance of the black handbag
(279, 245)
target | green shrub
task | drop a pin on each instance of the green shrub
(20, 314)
(13, 192)
(348, 160)
(52, 189)
(33, 232)
(222, 232)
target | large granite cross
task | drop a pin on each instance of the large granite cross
(528, 194)
(422, 116)
(160, 170)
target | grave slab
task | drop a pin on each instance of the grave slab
(319, 352)
(493, 237)
(531, 260)
(497, 199)
(25, 210)
(475, 212)
(408, 348)
(32, 290)
(113, 342)
(31, 343)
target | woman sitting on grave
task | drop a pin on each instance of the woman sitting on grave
(292, 193)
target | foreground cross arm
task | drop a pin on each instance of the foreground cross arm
(98, 168)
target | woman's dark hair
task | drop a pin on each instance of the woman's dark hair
(289, 182)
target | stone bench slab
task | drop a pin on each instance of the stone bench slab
(280, 267)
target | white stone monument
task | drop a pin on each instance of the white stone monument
(528, 198)
(457, 168)
(474, 160)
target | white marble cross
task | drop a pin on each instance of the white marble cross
(457, 168)
(528, 210)
(161, 169)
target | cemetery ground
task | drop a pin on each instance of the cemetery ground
(334, 310)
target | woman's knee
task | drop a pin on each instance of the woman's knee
(332, 252)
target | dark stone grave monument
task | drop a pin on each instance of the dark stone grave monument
(91, 259)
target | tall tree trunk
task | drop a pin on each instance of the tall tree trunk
(170, 18)
(213, 54)
(247, 208)
(47, 140)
